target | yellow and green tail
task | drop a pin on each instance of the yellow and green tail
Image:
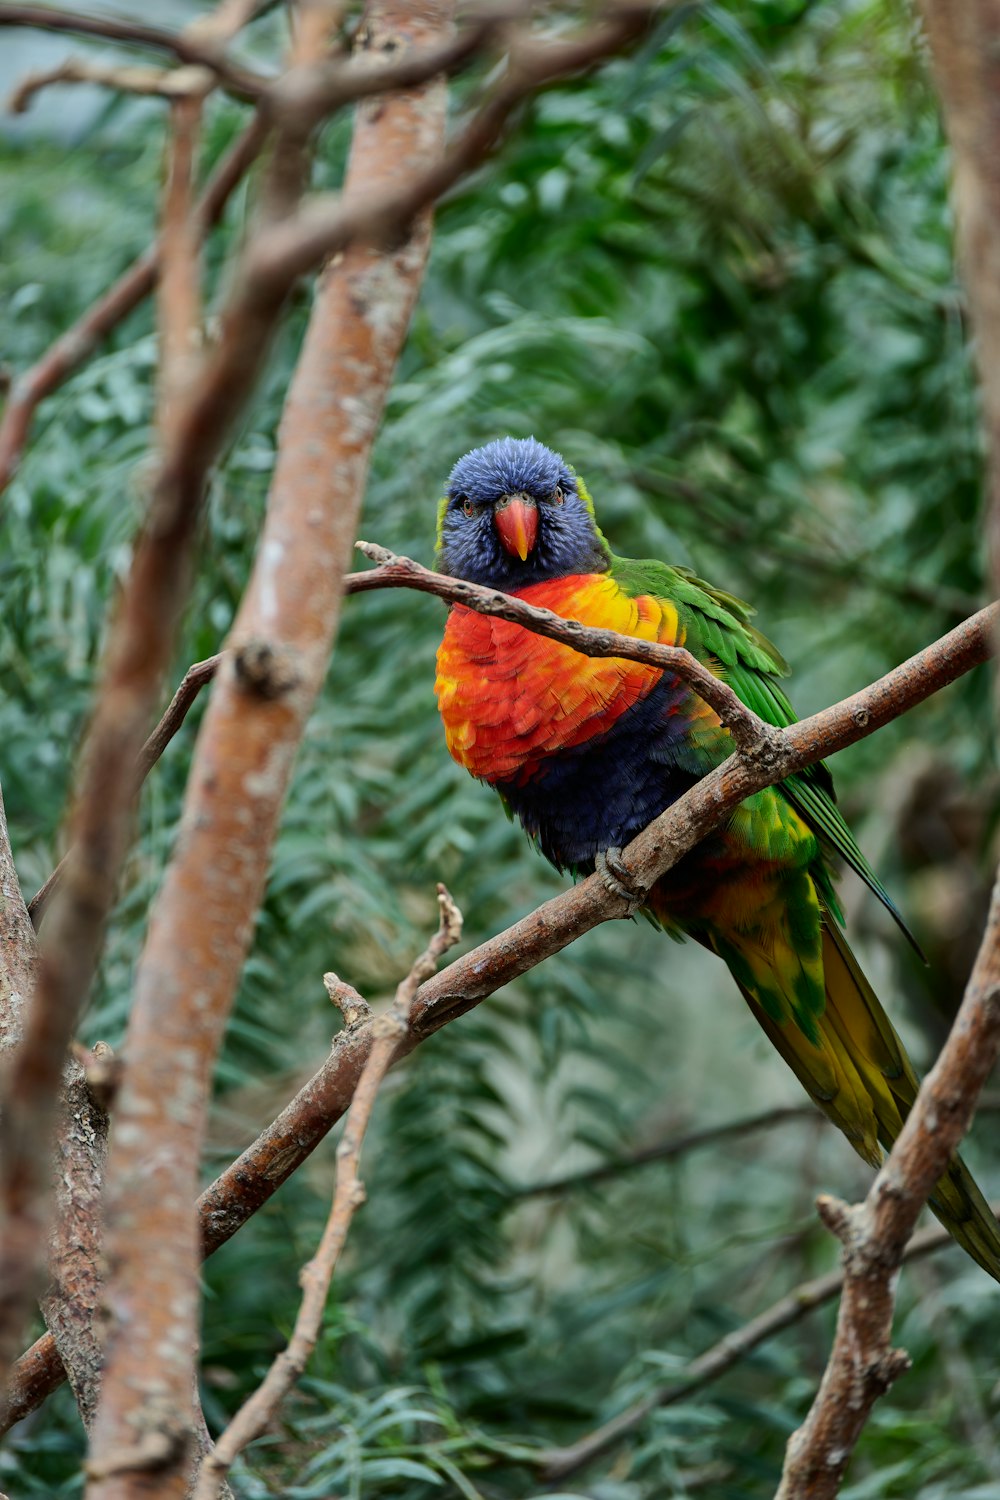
(860, 1076)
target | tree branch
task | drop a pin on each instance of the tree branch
(69, 1302)
(312, 92)
(164, 83)
(179, 288)
(192, 47)
(388, 1031)
(863, 1364)
(669, 1150)
(197, 676)
(307, 93)
(327, 223)
(17, 949)
(682, 1145)
(968, 645)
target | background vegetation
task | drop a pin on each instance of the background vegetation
(719, 278)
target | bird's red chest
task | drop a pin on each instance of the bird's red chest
(509, 698)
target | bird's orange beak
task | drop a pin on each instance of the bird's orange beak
(516, 520)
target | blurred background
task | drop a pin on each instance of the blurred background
(718, 277)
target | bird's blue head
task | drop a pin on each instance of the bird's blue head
(515, 513)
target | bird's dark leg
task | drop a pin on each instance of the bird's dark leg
(616, 878)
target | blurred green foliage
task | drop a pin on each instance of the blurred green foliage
(718, 276)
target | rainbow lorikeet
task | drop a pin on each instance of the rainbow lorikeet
(586, 751)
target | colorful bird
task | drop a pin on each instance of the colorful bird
(586, 751)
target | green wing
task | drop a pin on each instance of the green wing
(720, 632)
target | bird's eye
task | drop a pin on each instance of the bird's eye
(558, 495)
(467, 505)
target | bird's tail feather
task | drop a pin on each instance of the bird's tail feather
(860, 1076)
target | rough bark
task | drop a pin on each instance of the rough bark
(74, 1242)
(71, 1300)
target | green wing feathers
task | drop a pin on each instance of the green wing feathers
(719, 631)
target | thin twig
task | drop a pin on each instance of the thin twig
(197, 676)
(191, 684)
(164, 83)
(669, 1150)
(682, 1145)
(388, 1032)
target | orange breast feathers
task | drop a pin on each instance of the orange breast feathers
(508, 698)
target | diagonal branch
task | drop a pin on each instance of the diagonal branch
(676, 1146)
(326, 223)
(968, 645)
(863, 1363)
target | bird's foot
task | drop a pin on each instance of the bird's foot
(616, 878)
